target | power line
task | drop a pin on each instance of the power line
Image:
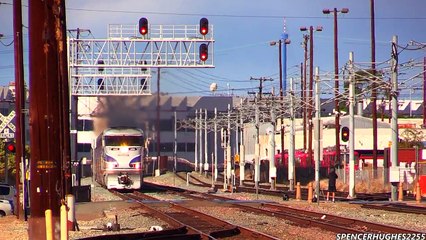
(228, 15)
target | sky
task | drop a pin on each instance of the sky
(243, 30)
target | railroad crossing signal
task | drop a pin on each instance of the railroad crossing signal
(6, 124)
(345, 134)
(10, 147)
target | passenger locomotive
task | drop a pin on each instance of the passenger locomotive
(118, 158)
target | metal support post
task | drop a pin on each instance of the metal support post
(351, 128)
(271, 152)
(291, 149)
(175, 144)
(394, 125)
(206, 154)
(257, 148)
(318, 133)
(242, 153)
(196, 142)
(158, 121)
(215, 145)
(228, 147)
(201, 142)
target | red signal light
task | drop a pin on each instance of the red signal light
(204, 26)
(10, 147)
(143, 26)
(204, 52)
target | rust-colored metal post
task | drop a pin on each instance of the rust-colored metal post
(19, 99)
(49, 112)
(305, 94)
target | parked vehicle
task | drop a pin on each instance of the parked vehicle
(8, 193)
(6, 208)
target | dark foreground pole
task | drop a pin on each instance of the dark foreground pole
(49, 113)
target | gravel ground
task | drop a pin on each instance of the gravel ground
(135, 220)
(415, 222)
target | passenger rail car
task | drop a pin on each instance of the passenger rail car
(328, 160)
(118, 156)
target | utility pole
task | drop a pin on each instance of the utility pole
(261, 80)
(394, 126)
(50, 153)
(311, 84)
(336, 79)
(373, 86)
(304, 92)
(351, 127)
(19, 107)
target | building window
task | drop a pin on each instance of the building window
(181, 147)
(166, 147)
(166, 125)
(84, 147)
(190, 147)
(85, 125)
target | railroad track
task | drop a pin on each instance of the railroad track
(300, 217)
(280, 191)
(397, 208)
(206, 226)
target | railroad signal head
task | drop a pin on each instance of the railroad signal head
(10, 147)
(204, 26)
(345, 134)
(143, 26)
(204, 52)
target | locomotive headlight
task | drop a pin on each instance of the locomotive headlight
(124, 149)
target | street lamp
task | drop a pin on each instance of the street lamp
(311, 82)
(335, 11)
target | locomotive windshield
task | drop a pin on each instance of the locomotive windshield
(123, 141)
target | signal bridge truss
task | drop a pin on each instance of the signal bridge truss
(121, 64)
